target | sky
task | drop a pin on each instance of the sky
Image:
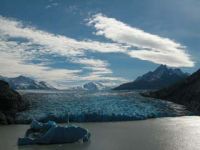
(69, 42)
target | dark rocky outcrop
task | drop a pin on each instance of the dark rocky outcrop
(186, 92)
(10, 103)
(157, 79)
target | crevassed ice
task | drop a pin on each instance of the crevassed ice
(81, 106)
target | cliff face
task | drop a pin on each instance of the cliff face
(186, 92)
(10, 103)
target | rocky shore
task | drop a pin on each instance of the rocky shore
(10, 103)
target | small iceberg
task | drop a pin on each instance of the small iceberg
(51, 133)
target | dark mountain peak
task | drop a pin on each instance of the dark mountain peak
(21, 77)
(162, 67)
(161, 77)
(164, 70)
(161, 72)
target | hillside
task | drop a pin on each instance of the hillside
(186, 92)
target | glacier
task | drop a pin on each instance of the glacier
(87, 106)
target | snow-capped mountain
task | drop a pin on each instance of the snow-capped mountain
(159, 78)
(93, 86)
(22, 82)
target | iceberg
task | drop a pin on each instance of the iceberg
(51, 133)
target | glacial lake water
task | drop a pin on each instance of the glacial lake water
(174, 133)
(100, 106)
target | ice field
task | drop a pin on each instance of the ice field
(87, 106)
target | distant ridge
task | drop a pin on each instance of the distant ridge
(92, 86)
(22, 83)
(159, 78)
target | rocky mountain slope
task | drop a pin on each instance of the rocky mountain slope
(10, 103)
(159, 78)
(186, 92)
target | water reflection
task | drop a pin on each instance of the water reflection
(180, 133)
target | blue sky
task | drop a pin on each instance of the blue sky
(67, 43)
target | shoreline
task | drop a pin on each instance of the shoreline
(114, 121)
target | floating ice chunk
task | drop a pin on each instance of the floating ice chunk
(51, 133)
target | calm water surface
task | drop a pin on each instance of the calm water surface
(177, 133)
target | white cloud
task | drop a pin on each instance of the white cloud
(92, 62)
(149, 46)
(21, 44)
(40, 43)
(99, 77)
(12, 64)
(54, 43)
(96, 65)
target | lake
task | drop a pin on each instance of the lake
(176, 133)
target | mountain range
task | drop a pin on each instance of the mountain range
(185, 92)
(157, 79)
(22, 82)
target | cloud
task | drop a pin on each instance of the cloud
(96, 65)
(21, 44)
(54, 43)
(13, 63)
(143, 45)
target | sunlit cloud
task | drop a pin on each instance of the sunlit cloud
(144, 46)
(23, 43)
(13, 63)
(54, 43)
